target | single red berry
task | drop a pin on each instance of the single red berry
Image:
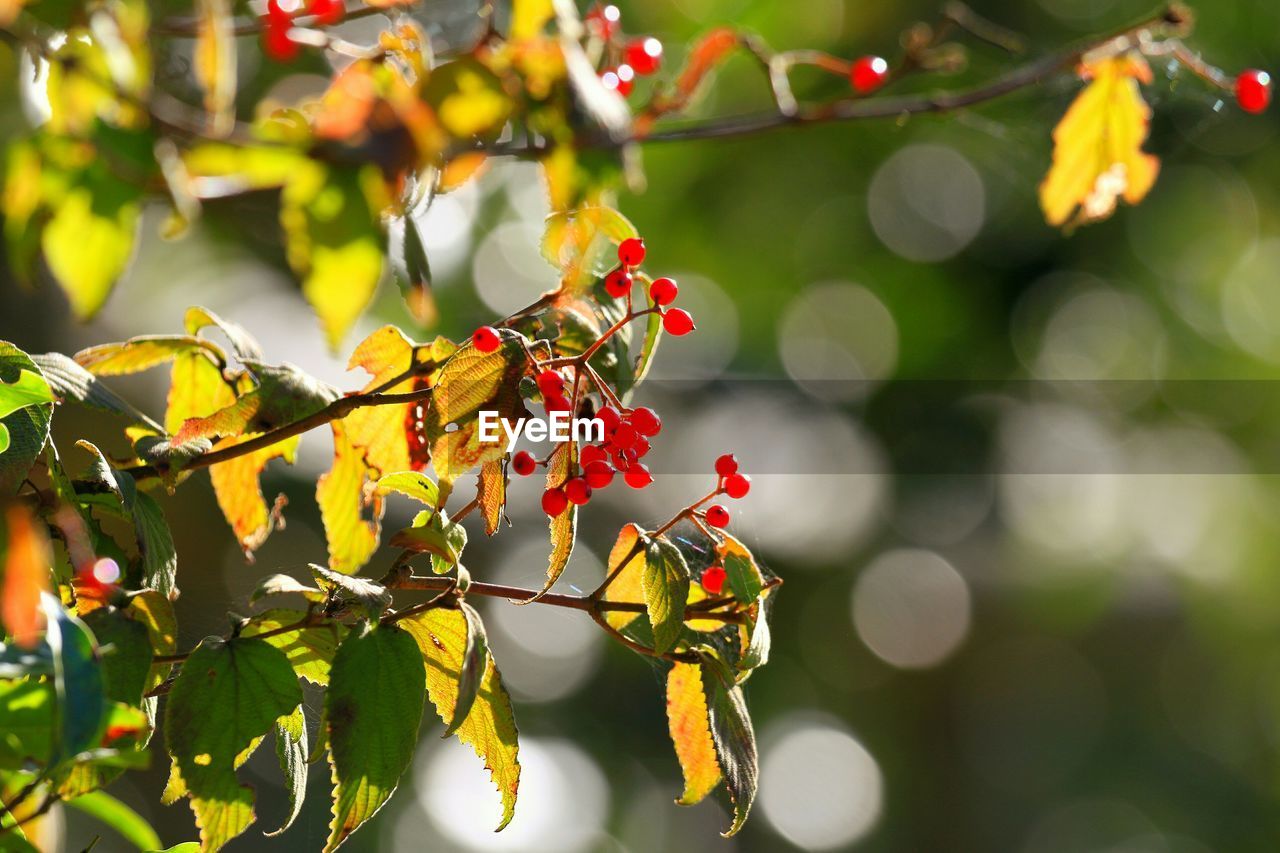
(646, 421)
(638, 476)
(550, 383)
(640, 448)
(621, 79)
(598, 474)
(727, 465)
(717, 515)
(326, 12)
(867, 74)
(609, 416)
(631, 251)
(713, 579)
(663, 291)
(554, 502)
(1253, 90)
(523, 463)
(557, 403)
(592, 453)
(644, 55)
(577, 491)
(677, 321)
(625, 435)
(736, 486)
(486, 339)
(604, 21)
(618, 283)
(275, 38)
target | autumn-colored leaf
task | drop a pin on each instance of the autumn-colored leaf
(27, 566)
(214, 62)
(582, 245)
(490, 728)
(626, 567)
(461, 169)
(352, 536)
(690, 733)
(491, 492)
(1097, 153)
(140, 353)
(196, 389)
(239, 492)
(380, 431)
(564, 527)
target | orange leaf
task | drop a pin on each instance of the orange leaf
(1097, 147)
(239, 493)
(690, 732)
(352, 538)
(27, 565)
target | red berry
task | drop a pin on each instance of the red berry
(550, 383)
(554, 502)
(609, 416)
(625, 435)
(717, 515)
(631, 251)
(592, 453)
(1253, 90)
(621, 79)
(644, 55)
(275, 38)
(577, 491)
(640, 448)
(326, 12)
(737, 485)
(646, 421)
(618, 283)
(557, 403)
(663, 291)
(523, 463)
(677, 321)
(867, 74)
(598, 474)
(727, 465)
(638, 476)
(486, 339)
(604, 21)
(713, 579)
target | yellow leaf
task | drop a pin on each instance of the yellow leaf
(627, 560)
(214, 62)
(468, 98)
(196, 390)
(492, 494)
(381, 430)
(89, 241)
(352, 537)
(490, 727)
(27, 566)
(239, 494)
(461, 169)
(1097, 153)
(139, 353)
(687, 722)
(564, 527)
(528, 17)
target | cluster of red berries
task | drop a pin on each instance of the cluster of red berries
(868, 73)
(734, 484)
(277, 23)
(626, 442)
(640, 56)
(663, 291)
(1253, 90)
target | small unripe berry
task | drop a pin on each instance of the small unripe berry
(727, 465)
(717, 515)
(486, 339)
(554, 502)
(644, 55)
(867, 74)
(677, 322)
(646, 421)
(618, 283)
(638, 476)
(577, 491)
(523, 463)
(737, 485)
(550, 383)
(631, 251)
(713, 578)
(591, 453)
(663, 291)
(597, 474)
(1253, 90)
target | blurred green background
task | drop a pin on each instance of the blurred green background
(1020, 485)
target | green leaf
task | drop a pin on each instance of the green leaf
(310, 649)
(29, 390)
(648, 348)
(227, 696)
(127, 823)
(26, 429)
(735, 742)
(26, 723)
(475, 661)
(442, 635)
(72, 382)
(433, 533)
(666, 592)
(416, 485)
(757, 653)
(291, 750)
(334, 240)
(155, 612)
(746, 581)
(78, 681)
(347, 591)
(126, 653)
(373, 707)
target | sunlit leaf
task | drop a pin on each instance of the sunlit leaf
(665, 581)
(352, 538)
(310, 648)
(1097, 147)
(29, 390)
(347, 591)
(564, 527)
(688, 723)
(735, 743)
(126, 661)
(373, 708)
(196, 390)
(291, 751)
(491, 491)
(214, 62)
(140, 353)
(433, 533)
(490, 728)
(468, 98)
(582, 245)
(126, 822)
(414, 484)
(239, 492)
(27, 428)
(88, 241)
(28, 564)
